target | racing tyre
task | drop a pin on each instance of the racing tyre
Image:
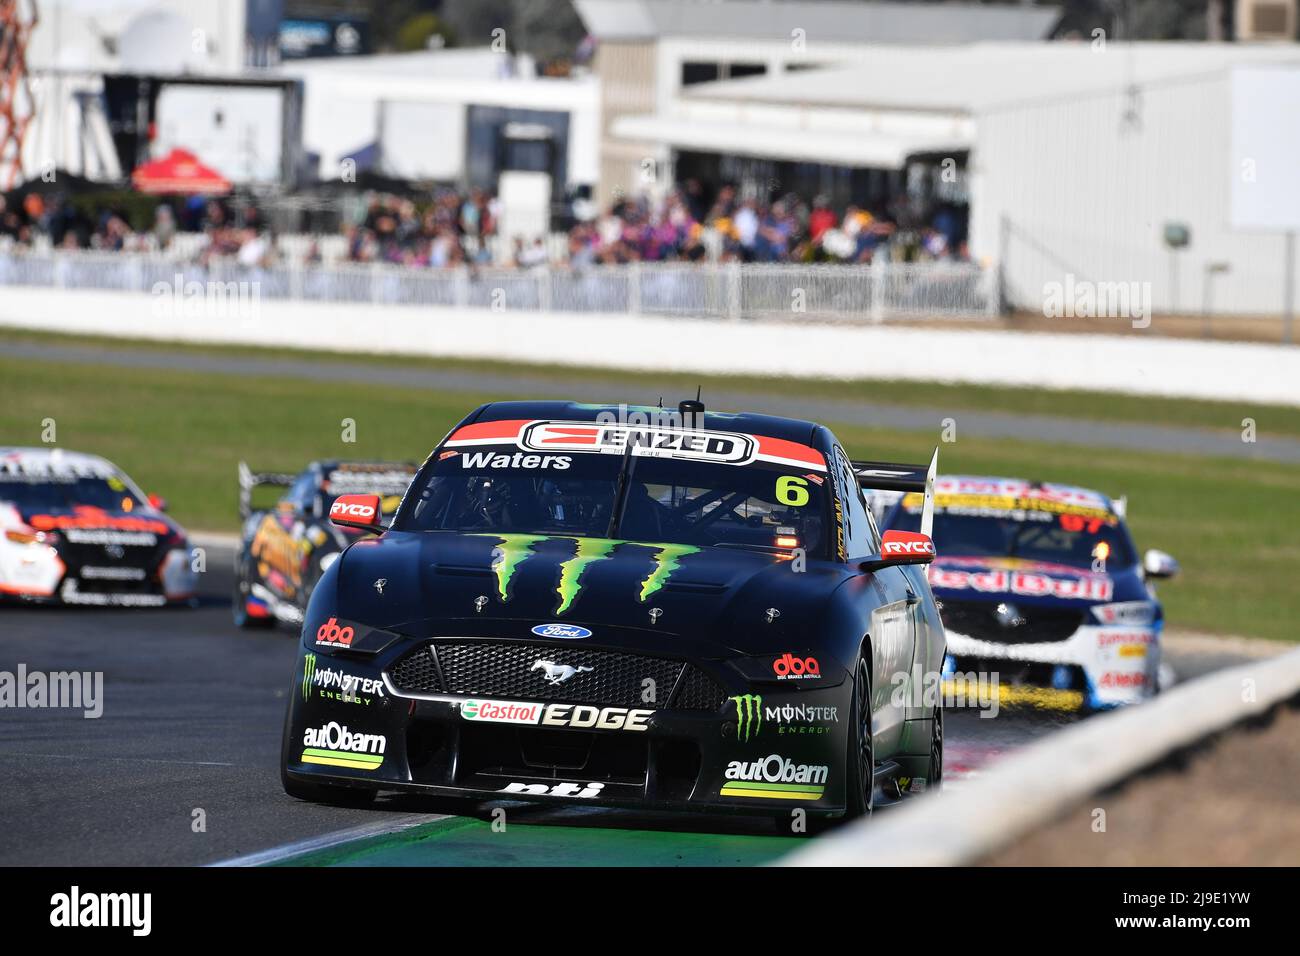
(860, 761)
(325, 793)
(934, 772)
(239, 605)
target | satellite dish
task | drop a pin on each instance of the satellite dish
(161, 42)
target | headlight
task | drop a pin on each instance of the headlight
(1128, 613)
(32, 537)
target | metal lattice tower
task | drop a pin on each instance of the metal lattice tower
(17, 104)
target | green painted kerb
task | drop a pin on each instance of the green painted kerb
(465, 841)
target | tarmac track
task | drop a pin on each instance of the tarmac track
(192, 713)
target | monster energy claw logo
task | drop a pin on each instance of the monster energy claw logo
(513, 550)
(308, 674)
(749, 715)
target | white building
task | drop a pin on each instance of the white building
(1076, 156)
(1073, 158)
(434, 115)
(652, 53)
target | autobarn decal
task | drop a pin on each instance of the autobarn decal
(334, 745)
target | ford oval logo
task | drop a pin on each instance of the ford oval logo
(567, 631)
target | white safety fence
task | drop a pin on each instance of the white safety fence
(708, 290)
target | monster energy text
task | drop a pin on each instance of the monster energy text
(751, 714)
(336, 685)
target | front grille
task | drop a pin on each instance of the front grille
(698, 692)
(978, 619)
(492, 669)
(146, 559)
(417, 671)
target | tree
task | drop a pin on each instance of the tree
(414, 34)
(548, 29)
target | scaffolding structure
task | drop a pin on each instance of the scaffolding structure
(17, 103)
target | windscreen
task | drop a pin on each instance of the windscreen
(650, 495)
(1033, 529)
(44, 489)
(388, 480)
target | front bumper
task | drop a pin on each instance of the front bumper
(1118, 665)
(740, 750)
(43, 574)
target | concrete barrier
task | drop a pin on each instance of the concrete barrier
(1038, 784)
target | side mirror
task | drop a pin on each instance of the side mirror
(901, 547)
(1157, 564)
(157, 503)
(357, 511)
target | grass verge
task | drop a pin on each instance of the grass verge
(180, 434)
(1270, 420)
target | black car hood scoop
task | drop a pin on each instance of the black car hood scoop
(588, 583)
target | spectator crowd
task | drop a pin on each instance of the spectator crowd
(451, 228)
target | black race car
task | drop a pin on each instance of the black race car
(286, 548)
(74, 529)
(625, 607)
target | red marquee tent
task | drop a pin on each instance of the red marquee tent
(180, 171)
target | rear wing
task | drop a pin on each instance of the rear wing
(248, 480)
(892, 476)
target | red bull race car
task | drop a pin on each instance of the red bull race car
(1042, 584)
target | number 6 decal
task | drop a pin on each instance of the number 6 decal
(792, 491)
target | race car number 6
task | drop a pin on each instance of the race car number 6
(792, 491)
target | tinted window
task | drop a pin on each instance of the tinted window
(667, 500)
(1071, 539)
(860, 536)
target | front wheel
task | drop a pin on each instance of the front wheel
(326, 793)
(934, 771)
(860, 761)
(239, 603)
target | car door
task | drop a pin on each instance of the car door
(892, 601)
(278, 544)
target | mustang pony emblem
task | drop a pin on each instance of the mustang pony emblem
(558, 673)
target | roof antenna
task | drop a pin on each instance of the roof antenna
(692, 410)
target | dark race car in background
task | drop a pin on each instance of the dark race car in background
(1041, 584)
(74, 529)
(285, 548)
(616, 607)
